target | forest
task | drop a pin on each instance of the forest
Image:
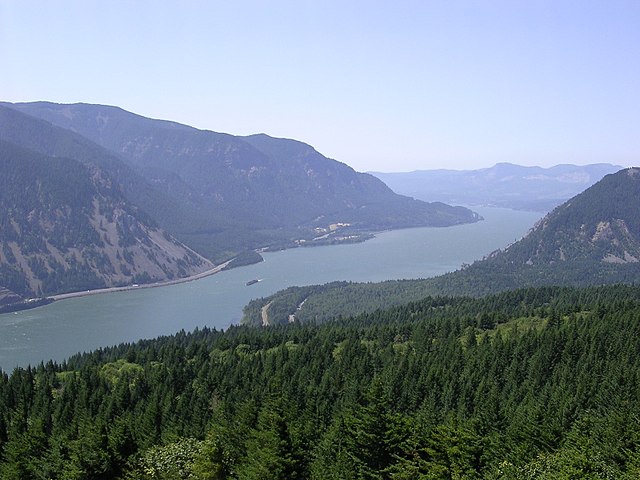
(533, 383)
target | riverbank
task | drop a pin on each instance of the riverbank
(25, 305)
(99, 291)
(62, 329)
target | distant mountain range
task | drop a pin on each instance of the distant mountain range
(592, 239)
(503, 185)
(96, 196)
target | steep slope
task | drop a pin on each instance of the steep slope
(503, 185)
(172, 204)
(65, 226)
(592, 239)
(41, 136)
(601, 225)
(258, 182)
(347, 195)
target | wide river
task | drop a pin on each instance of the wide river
(65, 327)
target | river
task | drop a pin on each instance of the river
(69, 326)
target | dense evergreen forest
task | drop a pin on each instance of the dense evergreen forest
(534, 383)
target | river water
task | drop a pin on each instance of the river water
(65, 327)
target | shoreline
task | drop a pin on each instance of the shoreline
(99, 291)
(361, 238)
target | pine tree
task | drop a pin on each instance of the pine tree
(270, 452)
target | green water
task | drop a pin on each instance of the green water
(65, 327)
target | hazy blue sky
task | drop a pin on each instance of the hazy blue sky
(389, 86)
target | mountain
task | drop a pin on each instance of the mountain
(589, 239)
(249, 191)
(66, 226)
(177, 213)
(503, 185)
(592, 239)
(42, 137)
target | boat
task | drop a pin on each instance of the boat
(251, 282)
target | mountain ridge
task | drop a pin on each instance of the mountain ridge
(505, 184)
(218, 194)
(600, 224)
(254, 191)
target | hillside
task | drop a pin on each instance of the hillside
(179, 214)
(65, 226)
(600, 225)
(7, 297)
(503, 185)
(592, 239)
(258, 190)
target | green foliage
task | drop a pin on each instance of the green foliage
(535, 383)
(270, 451)
(121, 371)
(245, 258)
(167, 462)
(333, 300)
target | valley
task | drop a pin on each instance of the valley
(67, 326)
(320, 240)
(114, 199)
(592, 239)
(398, 331)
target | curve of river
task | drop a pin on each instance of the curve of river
(65, 327)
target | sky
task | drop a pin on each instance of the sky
(380, 85)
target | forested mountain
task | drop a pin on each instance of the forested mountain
(65, 226)
(592, 239)
(503, 185)
(253, 191)
(535, 383)
(600, 225)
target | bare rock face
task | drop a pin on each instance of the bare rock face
(66, 227)
(600, 225)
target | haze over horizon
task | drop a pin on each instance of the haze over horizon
(412, 85)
